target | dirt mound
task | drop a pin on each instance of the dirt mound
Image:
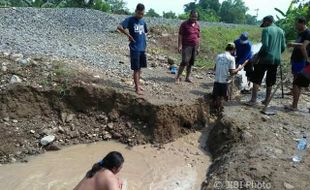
(254, 151)
(52, 99)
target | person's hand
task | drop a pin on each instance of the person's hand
(131, 39)
(290, 44)
(180, 49)
(198, 51)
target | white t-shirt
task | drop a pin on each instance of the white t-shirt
(224, 62)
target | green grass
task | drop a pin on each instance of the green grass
(215, 38)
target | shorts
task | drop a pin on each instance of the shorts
(188, 55)
(259, 72)
(220, 90)
(297, 66)
(301, 81)
(138, 60)
(249, 70)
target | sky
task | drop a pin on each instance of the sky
(266, 7)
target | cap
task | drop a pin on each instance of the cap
(244, 38)
(267, 19)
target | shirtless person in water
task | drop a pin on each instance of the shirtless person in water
(102, 176)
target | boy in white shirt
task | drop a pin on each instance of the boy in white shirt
(225, 67)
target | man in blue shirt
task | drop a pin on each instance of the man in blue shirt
(243, 56)
(137, 36)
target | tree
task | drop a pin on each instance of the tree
(250, 19)
(100, 5)
(152, 13)
(233, 11)
(210, 5)
(190, 6)
(117, 6)
(170, 15)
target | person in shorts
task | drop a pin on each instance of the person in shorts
(302, 80)
(273, 45)
(188, 45)
(225, 67)
(301, 49)
(137, 37)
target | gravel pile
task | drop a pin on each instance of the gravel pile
(77, 34)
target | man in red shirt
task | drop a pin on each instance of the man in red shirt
(188, 44)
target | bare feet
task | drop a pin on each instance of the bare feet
(141, 89)
(290, 108)
(188, 80)
(177, 80)
(139, 92)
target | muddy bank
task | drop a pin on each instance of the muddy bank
(76, 107)
(254, 151)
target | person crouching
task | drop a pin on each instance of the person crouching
(225, 67)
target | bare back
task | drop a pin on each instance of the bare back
(102, 180)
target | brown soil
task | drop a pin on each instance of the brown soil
(253, 149)
(98, 112)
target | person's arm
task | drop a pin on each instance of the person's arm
(233, 69)
(198, 45)
(180, 38)
(122, 28)
(146, 29)
(265, 43)
(304, 49)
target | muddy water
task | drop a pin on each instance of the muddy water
(181, 165)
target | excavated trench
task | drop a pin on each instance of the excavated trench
(167, 125)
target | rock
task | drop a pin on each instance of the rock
(72, 128)
(74, 134)
(288, 186)
(4, 68)
(47, 140)
(32, 131)
(63, 116)
(117, 135)
(36, 135)
(16, 56)
(110, 125)
(23, 62)
(61, 130)
(142, 81)
(47, 132)
(52, 147)
(70, 118)
(7, 119)
(14, 121)
(15, 79)
(103, 117)
(198, 77)
(171, 61)
(128, 124)
(97, 76)
(12, 160)
(113, 115)
(107, 136)
(153, 64)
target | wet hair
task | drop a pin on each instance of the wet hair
(140, 7)
(110, 161)
(301, 20)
